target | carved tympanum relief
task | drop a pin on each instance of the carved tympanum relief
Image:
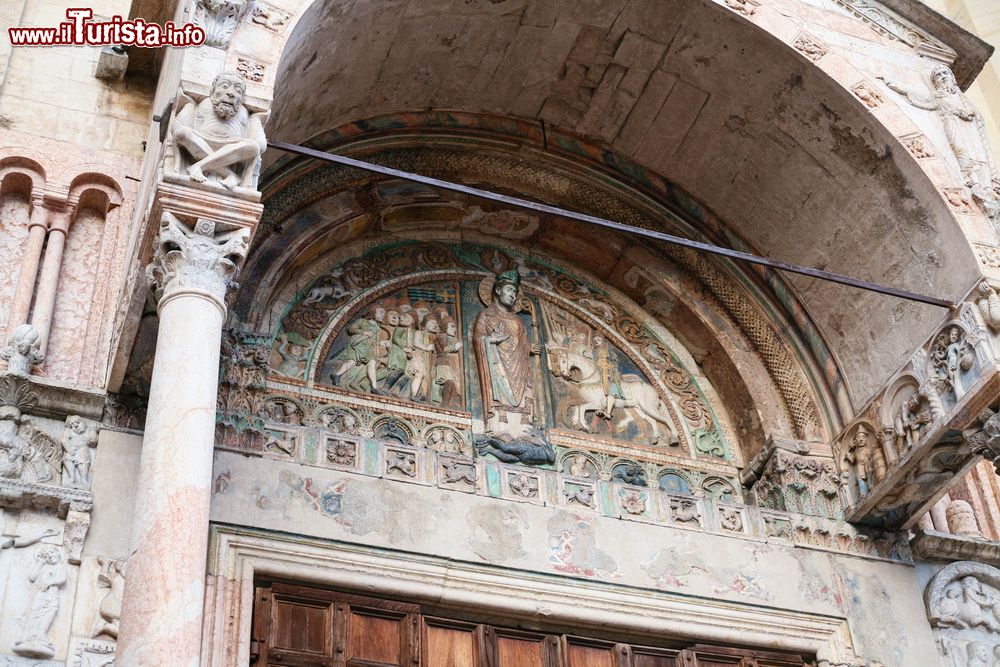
(963, 605)
(216, 142)
(966, 133)
(517, 349)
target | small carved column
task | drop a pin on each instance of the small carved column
(48, 282)
(192, 270)
(37, 228)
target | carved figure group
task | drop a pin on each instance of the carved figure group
(592, 371)
(410, 351)
(217, 141)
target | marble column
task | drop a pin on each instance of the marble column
(37, 228)
(48, 282)
(192, 268)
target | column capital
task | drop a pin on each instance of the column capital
(195, 259)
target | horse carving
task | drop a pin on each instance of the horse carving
(641, 399)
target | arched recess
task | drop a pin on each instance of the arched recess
(755, 115)
(733, 334)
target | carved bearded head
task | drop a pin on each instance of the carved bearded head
(228, 91)
(944, 80)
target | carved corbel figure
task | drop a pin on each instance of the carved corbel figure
(22, 351)
(966, 132)
(989, 306)
(217, 142)
(985, 440)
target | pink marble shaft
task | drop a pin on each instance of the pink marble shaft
(48, 284)
(165, 584)
(29, 268)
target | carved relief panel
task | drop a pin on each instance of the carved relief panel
(518, 355)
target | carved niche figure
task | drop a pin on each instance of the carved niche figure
(112, 577)
(77, 439)
(22, 350)
(217, 140)
(950, 357)
(966, 132)
(857, 463)
(910, 423)
(503, 356)
(590, 367)
(47, 579)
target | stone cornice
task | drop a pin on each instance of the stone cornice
(933, 545)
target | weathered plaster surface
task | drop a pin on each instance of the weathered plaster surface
(879, 599)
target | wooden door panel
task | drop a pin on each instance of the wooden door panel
(653, 657)
(451, 644)
(520, 651)
(377, 637)
(580, 653)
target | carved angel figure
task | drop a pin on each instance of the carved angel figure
(22, 350)
(77, 439)
(47, 579)
(965, 130)
(216, 140)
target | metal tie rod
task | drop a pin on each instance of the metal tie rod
(610, 224)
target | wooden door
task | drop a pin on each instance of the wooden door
(297, 626)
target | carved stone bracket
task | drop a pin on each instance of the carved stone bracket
(795, 476)
(925, 428)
